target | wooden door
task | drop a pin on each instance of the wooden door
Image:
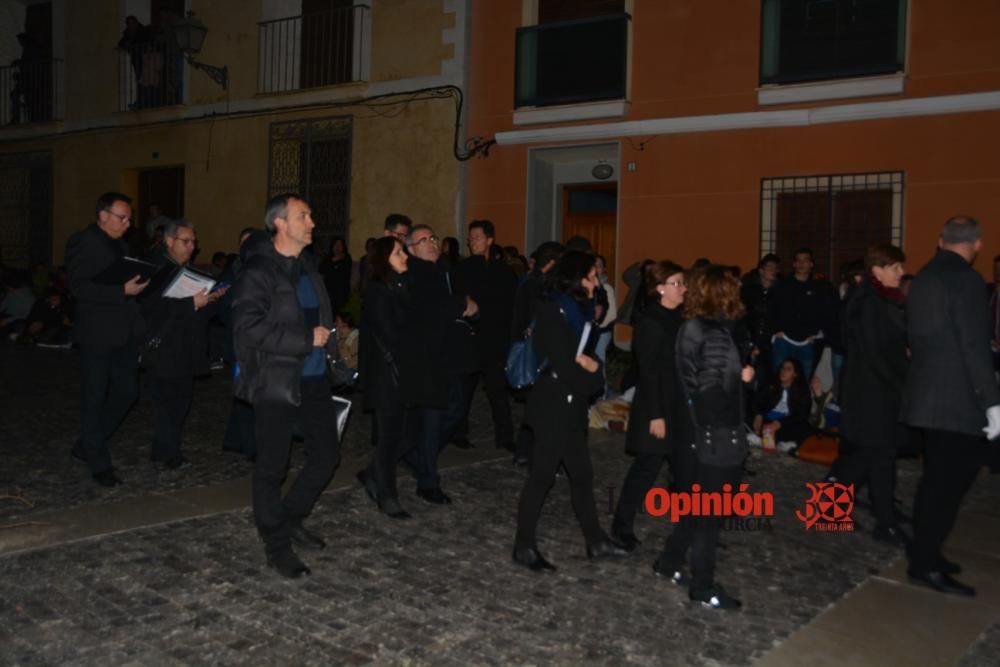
(591, 211)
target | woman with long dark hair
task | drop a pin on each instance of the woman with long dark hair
(712, 375)
(383, 360)
(451, 249)
(783, 407)
(872, 385)
(558, 408)
(657, 419)
(336, 270)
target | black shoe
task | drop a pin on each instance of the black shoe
(288, 564)
(674, 574)
(892, 535)
(107, 478)
(462, 443)
(303, 537)
(941, 582)
(531, 559)
(392, 509)
(715, 597)
(948, 567)
(626, 538)
(435, 495)
(176, 463)
(606, 548)
(367, 481)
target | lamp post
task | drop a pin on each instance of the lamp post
(190, 34)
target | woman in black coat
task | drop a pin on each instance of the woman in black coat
(384, 369)
(874, 331)
(336, 270)
(558, 408)
(657, 411)
(712, 374)
(783, 407)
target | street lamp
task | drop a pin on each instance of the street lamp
(190, 34)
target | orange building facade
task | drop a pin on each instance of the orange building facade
(730, 128)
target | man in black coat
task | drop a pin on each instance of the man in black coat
(282, 323)
(799, 309)
(108, 326)
(491, 283)
(182, 327)
(438, 401)
(950, 393)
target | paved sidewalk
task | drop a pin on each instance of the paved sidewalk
(169, 570)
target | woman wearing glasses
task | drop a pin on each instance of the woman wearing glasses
(658, 419)
(384, 365)
(557, 410)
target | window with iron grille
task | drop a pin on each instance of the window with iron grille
(26, 209)
(837, 215)
(812, 40)
(313, 158)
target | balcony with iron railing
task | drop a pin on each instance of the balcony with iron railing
(150, 75)
(572, 62)
(30, 92)
(319, 49)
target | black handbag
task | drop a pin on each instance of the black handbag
(342, 376)
(389, 361)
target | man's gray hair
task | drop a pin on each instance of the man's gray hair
(170, 229)
(277, 207)
(417, 228)
(961, 229)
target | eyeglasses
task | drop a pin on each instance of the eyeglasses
(123, 218)
(676, 283)
(431, 238)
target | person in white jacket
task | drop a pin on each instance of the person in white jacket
(605, 318)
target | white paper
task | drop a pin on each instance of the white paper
(583, 339)
(187, 283)
(342, 417)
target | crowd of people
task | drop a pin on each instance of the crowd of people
(716, 361)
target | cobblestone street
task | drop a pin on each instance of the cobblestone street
(439, 589)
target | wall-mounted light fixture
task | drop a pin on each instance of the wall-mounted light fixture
(190, 34)
(602, 171)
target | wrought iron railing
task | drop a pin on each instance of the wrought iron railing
(30, 92)
(150, 74)
(319, 49)
(572, 61)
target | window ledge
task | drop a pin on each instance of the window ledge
(570, 112)
(831, 90)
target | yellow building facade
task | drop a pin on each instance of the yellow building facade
(353, 105)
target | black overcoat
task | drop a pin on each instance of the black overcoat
(874, 334)
(387, 344)
(657, 393)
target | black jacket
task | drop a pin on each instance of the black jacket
(526, 299)
(710, 363)
(801, 308)
(950, 383)
(183, 331)
(755, 298)
(561, 394)
(874, 367)
(104, 315)
(337, 278)
(492, 286)
(657, 394)
(387, 345)
(270, 333)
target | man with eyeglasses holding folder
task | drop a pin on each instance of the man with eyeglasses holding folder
(108, 326)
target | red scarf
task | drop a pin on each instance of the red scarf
(893, 294)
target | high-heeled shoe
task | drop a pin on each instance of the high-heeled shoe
(606, 548)
(531, 559)
(392, 509)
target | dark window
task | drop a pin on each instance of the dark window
(572, 61)
(25, 209)
(810, 40)
(313, 159)
(838, 216)
(555, 11)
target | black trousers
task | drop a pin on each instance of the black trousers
(273, 425)
(108, 388)
(639, 479)
(498, 393)
(171, 402)
(391, 419)
(239, 431)
(877, 467)
(425, 430)
(699, 534)
(555, 443)
(951, 463)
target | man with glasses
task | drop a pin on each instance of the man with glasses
(441, 335)
(182, 327)
(398, 226)
(108, 325)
